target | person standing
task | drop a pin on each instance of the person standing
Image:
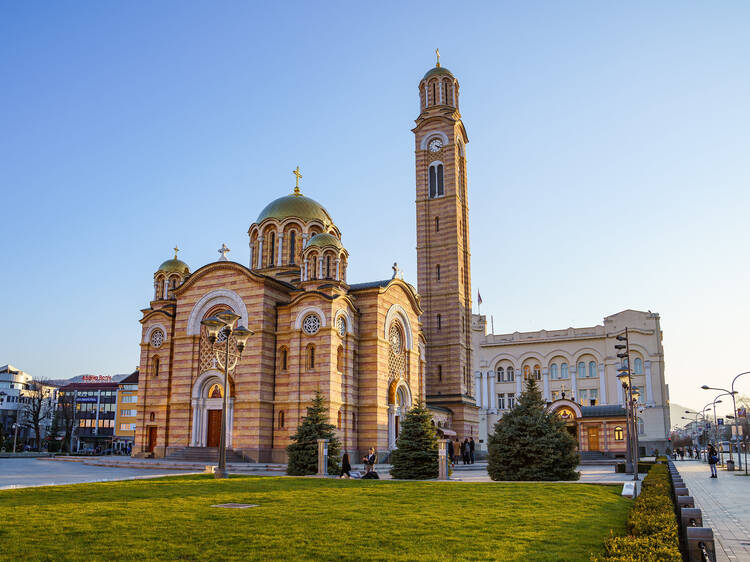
(713, 458)
(471, 450)
(345, 466)
(465, 451)
(456, 450)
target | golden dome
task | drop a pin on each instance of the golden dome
(174, 266)
(297, 206)
(323, 240)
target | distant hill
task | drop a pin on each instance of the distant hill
(79, 378)
(676, 411)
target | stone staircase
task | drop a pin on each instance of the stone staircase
(596, 457)
(203, 454)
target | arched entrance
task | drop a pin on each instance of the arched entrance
(206, 402)
(569, 412)
(399, 402)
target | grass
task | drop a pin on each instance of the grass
(308, 518)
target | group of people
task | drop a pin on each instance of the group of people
(368, 461)
(461, 450)
(685, 451)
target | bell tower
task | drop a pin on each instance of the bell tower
(443, 257)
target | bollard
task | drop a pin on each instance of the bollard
(730, 466)
(685, 501)
(442, 459)
(322, 457)
(691, 517)
(681, 492)
(678, 483)
(700, 544)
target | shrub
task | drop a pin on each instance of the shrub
(642, 466)
(652, 524)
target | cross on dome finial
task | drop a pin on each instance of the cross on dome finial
(176, 249)
(223, 251)
(297, 176)
(395, 270)
(437, 52)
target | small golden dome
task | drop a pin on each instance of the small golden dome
(174, 266)
(324, 240)
(297, 206)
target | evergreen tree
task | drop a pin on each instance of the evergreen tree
(530, 443)
(417, 455)
(303, 451)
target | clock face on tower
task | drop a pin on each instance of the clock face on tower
(435, 145)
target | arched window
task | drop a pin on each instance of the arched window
(328, 267)
(156, 366)
(439, 322)
(581, 369)
(436, 180)
(437, 272)
(500, 374)
(563, 370)
(510, 374)
(526, 372)
(292, 246)
(172, 286)
(314, 272)
(271, 249)
(354, 421)
(537, 372)
(340, 359)
(592, 369)
(638, 366)
(553, 371)
(440, 373)
(641, 427)
(281, 420)
(437, 224)
(310, 357)
(618, 433)
(284, 358)
(338, 420)
(434, 99)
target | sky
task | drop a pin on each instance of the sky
(607, 160)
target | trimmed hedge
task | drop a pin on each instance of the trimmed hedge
(652, 525)
(643, 466)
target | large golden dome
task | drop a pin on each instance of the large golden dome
(297, 206)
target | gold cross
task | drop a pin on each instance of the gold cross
(176, 249)
(437, 52)
(297, 175)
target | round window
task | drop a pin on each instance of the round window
(311, 324)
(157, 338)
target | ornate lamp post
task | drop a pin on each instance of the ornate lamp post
(623, 352)
(223, 324)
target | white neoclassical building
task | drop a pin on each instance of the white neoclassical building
(577, 369)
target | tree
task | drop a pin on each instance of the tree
(38, 407)
(416, 457)
(303, 451)
(66, 408)
(531, 443)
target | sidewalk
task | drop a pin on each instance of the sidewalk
(725, 502)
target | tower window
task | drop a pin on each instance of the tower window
(328, 267)
(436, 181)
(434, 99)
(310, 357)
(440, 373)
(281, 420)
(439, 323)
(284, 357)
(271, 247)
(156, 366)
(437, 224)
(437, 271)
(292, 246)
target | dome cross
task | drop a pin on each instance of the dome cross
(223, 251)
(437, 52)
(176, 249)
(297, 176)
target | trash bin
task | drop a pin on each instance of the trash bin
(730, 466)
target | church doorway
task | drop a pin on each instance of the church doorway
(151, 439)
(593, 438)
(213, 430)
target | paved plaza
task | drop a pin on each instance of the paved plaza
(725, 502)
(23, 473)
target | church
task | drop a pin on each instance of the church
(373, 348)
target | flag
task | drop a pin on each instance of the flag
(479, 297)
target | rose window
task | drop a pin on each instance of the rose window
(397, 365)
(311, 324)
(396, 339)
(157, 338)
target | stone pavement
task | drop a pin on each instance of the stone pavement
(725, 503)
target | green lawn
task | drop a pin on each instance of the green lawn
(309, 518)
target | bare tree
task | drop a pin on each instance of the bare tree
(66, 409)
(38, 407)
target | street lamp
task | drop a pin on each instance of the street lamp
(732, 392)
(223, 324)
(623, 352)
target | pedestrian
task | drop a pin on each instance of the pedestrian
(449, 452)
(682, 454)
(346, 466)
(712, 459)
(465, 450)
(456, 450)
(471, 449)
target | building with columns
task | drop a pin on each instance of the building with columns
(576, 369)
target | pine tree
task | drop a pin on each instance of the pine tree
(417, 455)
(530, 443)
(303, 451)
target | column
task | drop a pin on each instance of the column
(478, 387)
(493, 392)
(545, 378)
(573, 383)
(649, 387)
(519, 382)
(280, 236)
(602, 385)
(304, 240)
(251, 255)
(260, 252)
(391, 426)
(321, 259)
(322, 457)
(304, 276)
(166, 288)
(338, 261)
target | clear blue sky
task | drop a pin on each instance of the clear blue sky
(608, 159)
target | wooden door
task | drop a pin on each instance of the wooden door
(151, 438)
(213, 431)
(593, 438)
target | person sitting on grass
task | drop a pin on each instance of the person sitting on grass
(370, 460)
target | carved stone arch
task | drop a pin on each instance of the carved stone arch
(393, 388)
(588, 351)
(147, 334)
(431, 135)
(504, 356)
(396, 311)
(208, 301)
(209, 378)
(347, 318)
(538, 357)
(558, 353)
(559, 404)
(307, 310)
